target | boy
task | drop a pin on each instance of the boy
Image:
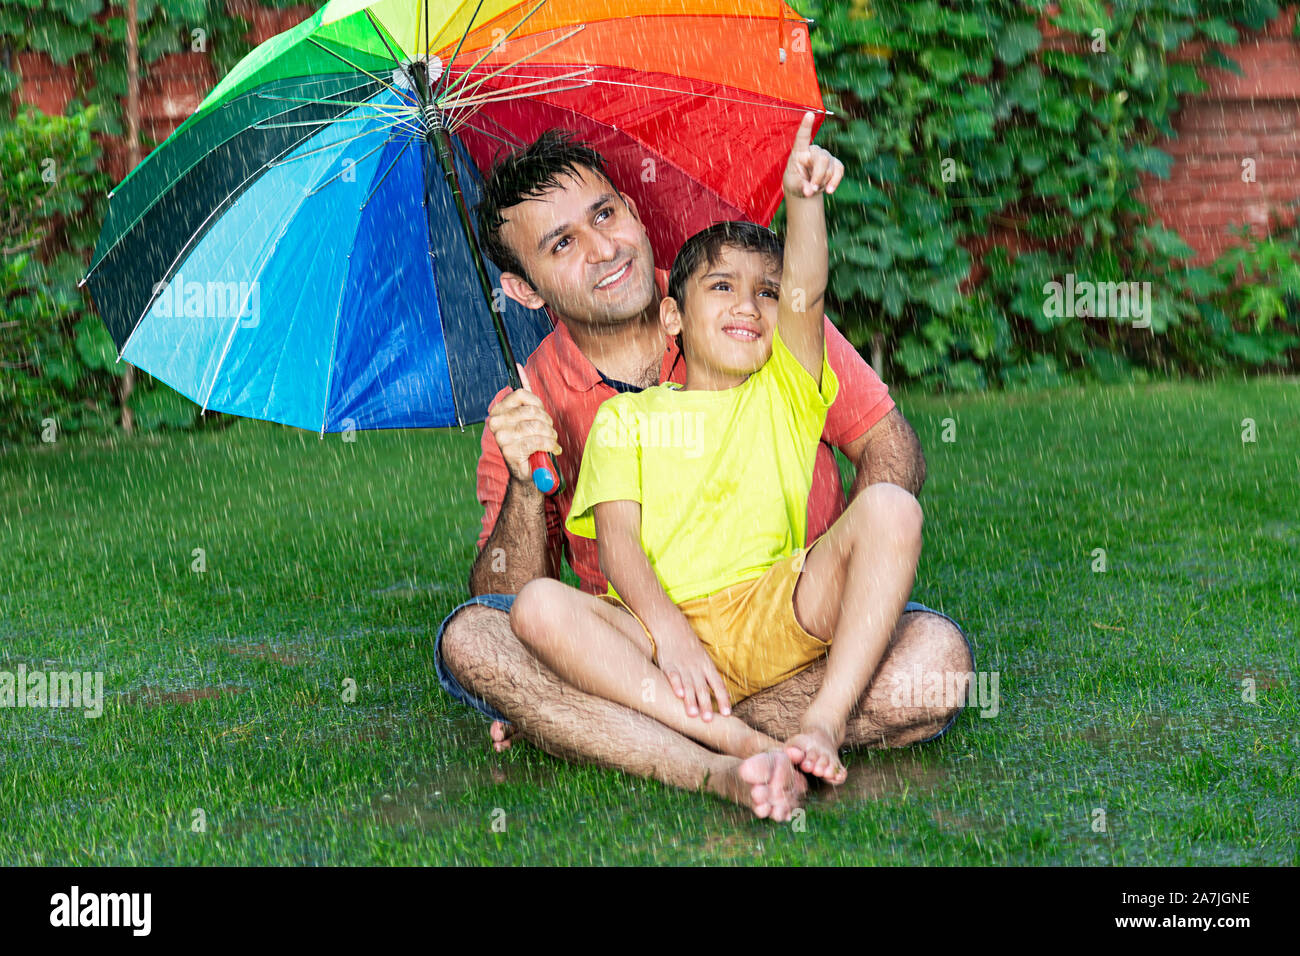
(720, 471)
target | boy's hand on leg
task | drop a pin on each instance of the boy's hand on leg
(692, 674)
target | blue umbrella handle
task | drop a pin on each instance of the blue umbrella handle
(546, 476)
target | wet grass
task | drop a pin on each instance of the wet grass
(327, 562)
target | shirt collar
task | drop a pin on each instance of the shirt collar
(579, 374)
(582, 376)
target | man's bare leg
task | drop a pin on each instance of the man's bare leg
(601, 649)
(921, 642)
(488, 660)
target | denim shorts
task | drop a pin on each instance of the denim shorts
(503, 602)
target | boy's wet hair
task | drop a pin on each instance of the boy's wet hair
(706, 246)
(526, 174)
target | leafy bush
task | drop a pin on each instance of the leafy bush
(57, 358)
(987, 160)
(976, 142)
(57, 361)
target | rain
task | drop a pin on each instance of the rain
(408, 458)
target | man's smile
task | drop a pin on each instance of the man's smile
(615, 277)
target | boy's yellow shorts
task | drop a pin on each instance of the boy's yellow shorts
(750, 629)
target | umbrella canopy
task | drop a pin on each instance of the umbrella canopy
(297, 251)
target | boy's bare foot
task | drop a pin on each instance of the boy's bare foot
(501, 733)
(767, 783)
(814, 750)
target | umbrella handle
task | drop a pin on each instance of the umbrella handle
(546, 476)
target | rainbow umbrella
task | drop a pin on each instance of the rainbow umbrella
(301, 248)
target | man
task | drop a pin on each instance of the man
(566, 238)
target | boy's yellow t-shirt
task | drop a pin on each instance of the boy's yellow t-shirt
(723, 477)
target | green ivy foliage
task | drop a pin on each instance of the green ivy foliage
(962, 121)
(56, 358)
(90, 36)
(57, 361)
(985, 161)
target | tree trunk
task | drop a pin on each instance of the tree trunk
(7, 59)
(133, 159)
(878, 355)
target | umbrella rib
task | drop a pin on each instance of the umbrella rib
(497, 45)
(352, 104)
(460, 120)
(216, 373)
(341, 119)
(399, 155)
(466, 110)
(334, 344)
(326, 100)
(547, 66)
(406, 126)
(465, 87)
(329, 375)
(154, 201)
(469, 27)
(384, 83)
(320, 149)
(713, 96)
(319, 186)
(379, 117)
(483, 132)
(517, 142)
(477, 102)
(486, 97)
(257, 90)
(234, 326)
(184, 249)
(370, 16)
(532, 36)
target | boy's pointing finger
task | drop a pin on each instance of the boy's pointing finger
(803, 136)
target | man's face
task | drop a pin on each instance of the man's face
(585, 250)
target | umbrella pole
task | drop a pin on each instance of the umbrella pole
(440, 139)
(545, 475)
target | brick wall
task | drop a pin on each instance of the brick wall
(171, 90)
(1253, 116)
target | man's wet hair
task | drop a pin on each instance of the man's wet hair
(707, 245)
(526, 174)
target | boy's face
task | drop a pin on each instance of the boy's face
(586, 250)
(728, 314)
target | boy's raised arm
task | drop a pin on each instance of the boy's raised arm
(810, 171)
(680, 655)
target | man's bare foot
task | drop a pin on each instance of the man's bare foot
(501, 732)
(814, 750)
(767, 783)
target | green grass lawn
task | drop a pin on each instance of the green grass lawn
(327, 561)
